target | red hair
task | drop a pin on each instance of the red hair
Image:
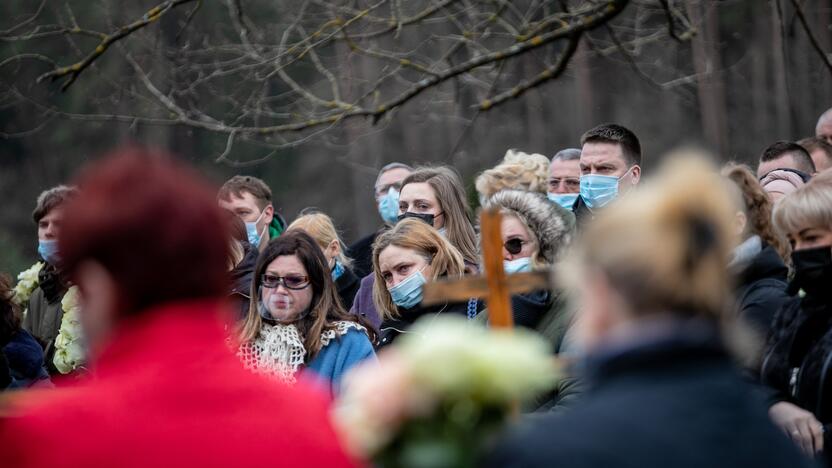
(153, 224)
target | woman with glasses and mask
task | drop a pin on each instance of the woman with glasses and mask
(296, 322)
(798, 363)
(404, 259)
(322, 229)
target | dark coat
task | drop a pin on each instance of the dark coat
(798, 361)
(581, 212)
(44, 312)
(392, 328)
(361, 254)
(24, 356)
(241, 278)
(761, 289)
(675, 400)
(347, 285)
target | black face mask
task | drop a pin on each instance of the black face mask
(813, 270)
(426, 217)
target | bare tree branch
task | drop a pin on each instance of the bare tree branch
(799, 10)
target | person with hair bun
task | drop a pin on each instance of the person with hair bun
(322, 229)
(663, 389)
(757, 261)
(296, 321)
(797, 362)
(517, 171)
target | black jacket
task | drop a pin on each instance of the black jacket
(361, 254)
(582, 213)
(241, 277)
(673, 401)
(392, 328)
(798, 362)
(761, 290)
(347, 285)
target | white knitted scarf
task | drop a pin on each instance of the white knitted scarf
(278, 350)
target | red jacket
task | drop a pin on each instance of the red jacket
(167, 391)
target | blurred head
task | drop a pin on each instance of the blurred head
(613, 151)
(754, 208)
(251, 199)
(781, 182)
(410, 247)
(532, 227)
(438, 193)
(805, 216)
(48, 213)
(321, 228)
(565, 172)
(143, 232)
(823, 129)
(292, 284)
(517, 171)
(659, 253)
(785, 155)
(820, 150)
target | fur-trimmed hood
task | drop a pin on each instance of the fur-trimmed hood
(551, 224)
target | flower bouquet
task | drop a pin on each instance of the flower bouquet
(27, 281)
(440, 395)
(69, 348)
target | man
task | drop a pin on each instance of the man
(167, 390)
(44, 312)
(819, 150)
(610, 165)
(251, 199)
(785, 155)
(823, 129)
(565, 177)
(387, 187)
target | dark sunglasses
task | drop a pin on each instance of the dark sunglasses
(514, 246)
(289, 282)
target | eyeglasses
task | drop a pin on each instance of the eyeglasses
(514, 246)
(289, 282)
(382, 190)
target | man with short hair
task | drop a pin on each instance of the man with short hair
(251, 199)
(565, 177)
(610, 165)
(785, 155)
(44, 311)
(387, 187)
(823, 129)
(819, 150)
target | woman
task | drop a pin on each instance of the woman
(781, 182)
(535, 232)
(757, 261)
(663, 390)
(21, 357)
(404, 259)
(517, 171)
(434, 195)
(322, 229)
(296, 321)
(797, 363)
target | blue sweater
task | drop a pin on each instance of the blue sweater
(339, 356)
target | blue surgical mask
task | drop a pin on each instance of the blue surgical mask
(518, 265)
(48, 250)
(388, 206)
(408, 293)
(251, 230)
(566, 200)
(337, 271)
(598, 190)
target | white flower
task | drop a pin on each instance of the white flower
(27, 281)
(69, 347)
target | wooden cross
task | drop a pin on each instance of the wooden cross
(496, 287)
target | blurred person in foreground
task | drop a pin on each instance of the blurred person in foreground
(147, 246)
(797, 363)
(663, 390)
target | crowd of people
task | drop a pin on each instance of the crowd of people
(167, 320)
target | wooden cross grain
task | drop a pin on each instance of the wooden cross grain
(496, 287)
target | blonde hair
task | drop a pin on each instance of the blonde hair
(518, 171)
(322, 229)
(807, 207)
(444, 259)
(665, 247)
(447, 187)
